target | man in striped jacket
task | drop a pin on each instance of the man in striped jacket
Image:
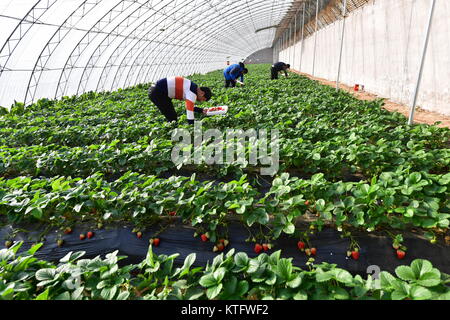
(162, 93)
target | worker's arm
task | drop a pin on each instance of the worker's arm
(190, 109)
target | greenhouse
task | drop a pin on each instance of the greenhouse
(224, 150)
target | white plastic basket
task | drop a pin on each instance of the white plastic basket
(216, 110)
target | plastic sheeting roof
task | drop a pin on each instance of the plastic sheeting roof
(55, 48)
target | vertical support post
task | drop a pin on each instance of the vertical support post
(295, 39)
(344, 14)
(315, 38)
(422, 62)
(303, 29)
(289, 43)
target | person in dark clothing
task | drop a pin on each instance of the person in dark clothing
(233, 72)
(162, 93)
(278, 67)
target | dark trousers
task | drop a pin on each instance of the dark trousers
(164, 104)
(229, 83)
(273, 73)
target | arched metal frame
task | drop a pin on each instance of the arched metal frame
(210, 33)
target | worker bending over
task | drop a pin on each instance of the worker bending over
(278, 67)
(162, 93)
(233, 72)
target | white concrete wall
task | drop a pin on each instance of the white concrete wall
(382, 50)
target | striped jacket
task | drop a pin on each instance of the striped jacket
(181, 89)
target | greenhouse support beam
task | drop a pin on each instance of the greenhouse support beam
(424, 53)
(344, 13)
(290, 40)
(295, 37)
(303, 29)
(315, 38)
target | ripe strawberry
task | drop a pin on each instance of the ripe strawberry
(401, 254)
(8, 243)
(139, 235)
(265, 246)
(90, 234)
(355, 254)
(301, 245)
(82, 236)
(204, 237)
(258, 248)
(60, 242)
(172, 213)
(154, 241)
(308, 251)
(68, 230)
(220, 247)
(313, 251)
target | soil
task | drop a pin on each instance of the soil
(420, 115)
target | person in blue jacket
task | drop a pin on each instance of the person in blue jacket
(233, 72)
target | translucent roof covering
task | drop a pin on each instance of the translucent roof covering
(55, 48)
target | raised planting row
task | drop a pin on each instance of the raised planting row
(152, 154)
(321, 131)
(232, 276)
(396, 200)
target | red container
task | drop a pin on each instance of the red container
(356, 87)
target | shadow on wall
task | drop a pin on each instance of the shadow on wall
(261, 56)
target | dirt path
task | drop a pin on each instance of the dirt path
(420, 115)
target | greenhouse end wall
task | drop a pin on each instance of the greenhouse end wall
(382, 50)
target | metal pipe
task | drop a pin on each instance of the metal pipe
(344, 13)
(295, 38)
(290, 42)
(315, 37)
(424, 53)
(303, 29)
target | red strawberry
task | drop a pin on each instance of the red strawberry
(265, 246)
(204, 237)
(313, 251)
(154, 241)
(355, 254)
(172, 213)
(401, 254)
(220, 247)
(68, 230)
(60, 242)
(139, 235)
(90, 234)
(82, 236)
(258, 248)
(301, 245)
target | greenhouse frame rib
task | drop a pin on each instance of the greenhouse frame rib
(104, 45)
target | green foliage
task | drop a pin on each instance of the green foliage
(228, 277)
